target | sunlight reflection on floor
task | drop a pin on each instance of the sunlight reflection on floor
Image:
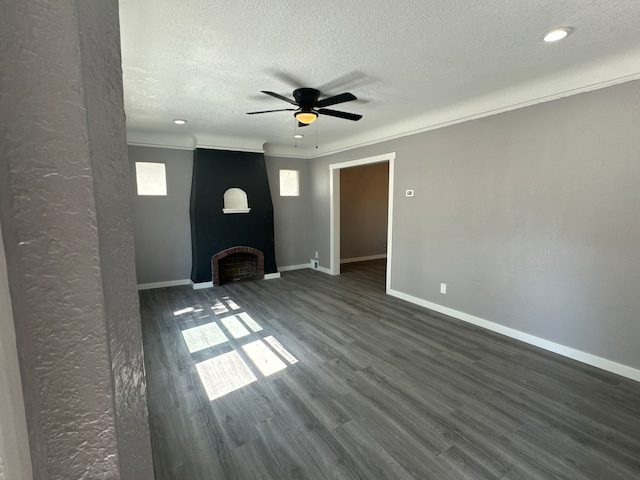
(235, 327)
(196, 308)
(227, 372)
(277, 346)
(262, 357)
(204, 336)
(224, 374)
(231, 303)
(219, 308)
(251, 323)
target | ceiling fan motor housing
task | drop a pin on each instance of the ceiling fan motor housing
(306, 97)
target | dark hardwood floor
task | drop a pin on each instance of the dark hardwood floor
(359, 385)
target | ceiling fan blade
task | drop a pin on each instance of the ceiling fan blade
(335, 113)
(343, 97)
(277, 95)
(269, 111)
(300, 124)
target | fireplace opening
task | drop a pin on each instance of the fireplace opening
(236, 267)
(237, 264)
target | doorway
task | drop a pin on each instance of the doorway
(334, 209)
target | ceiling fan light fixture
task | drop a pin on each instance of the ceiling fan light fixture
(179, 121)
(556, 34)
(306, 117)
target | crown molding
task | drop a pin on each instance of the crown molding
(142, 138)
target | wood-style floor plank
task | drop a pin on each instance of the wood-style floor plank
(369, 387)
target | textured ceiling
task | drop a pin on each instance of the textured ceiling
(413, 65)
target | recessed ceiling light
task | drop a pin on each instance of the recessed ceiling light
(179, 121)
(298, 135)
(556, 34)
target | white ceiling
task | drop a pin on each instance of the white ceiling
(413, 64)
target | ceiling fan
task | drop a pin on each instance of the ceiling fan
(309, 107)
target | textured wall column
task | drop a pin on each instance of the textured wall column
(65, 211)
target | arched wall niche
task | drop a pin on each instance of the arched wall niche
(235, 201)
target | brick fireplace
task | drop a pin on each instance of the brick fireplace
(237, 264)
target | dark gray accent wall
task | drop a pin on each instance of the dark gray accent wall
(292, 215)
(364, 198)
(68, 236)
(212, 231)
(162, 230)
(530, 217)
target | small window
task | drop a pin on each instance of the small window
(289, 183)
(151, 178)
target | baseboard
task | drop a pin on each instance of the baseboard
(201, 285)
(198, 286)
(363, 259)
(303, 266)
(580, 356)
(289, 268)
(171, 283)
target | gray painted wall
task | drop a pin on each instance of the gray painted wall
(530, 217)
(292, 215)
(15, 462)
(364, 198)
(67, 231)
(162, 229)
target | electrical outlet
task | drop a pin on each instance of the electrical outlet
(316, 254)
(443, 288)
(315, 264)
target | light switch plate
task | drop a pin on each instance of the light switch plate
(409, 193)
